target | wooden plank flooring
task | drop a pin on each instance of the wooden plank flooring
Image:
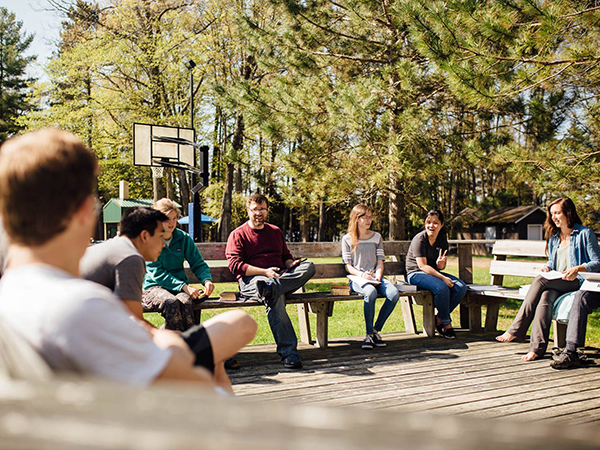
(472, 376)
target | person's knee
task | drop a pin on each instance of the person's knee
(393, 295)
(245, 326)
(370, 293)
(310, 269)
(171, 303)
(461, 289)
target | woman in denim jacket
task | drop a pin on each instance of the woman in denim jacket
(571, 248)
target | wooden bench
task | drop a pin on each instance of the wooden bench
(321, 303)
(500, 267)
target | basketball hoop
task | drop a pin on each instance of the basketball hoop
(157, 172)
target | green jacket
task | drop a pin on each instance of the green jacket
(168, 272)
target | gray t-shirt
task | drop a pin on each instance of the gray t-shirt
(116, 264)
(367, 253)
(78, 326)
(421, 248)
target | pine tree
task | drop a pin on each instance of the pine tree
(14, 82)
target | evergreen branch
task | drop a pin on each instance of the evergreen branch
(337, 33)
(522, 60)
(348, 57)
(542, 81)
(579, 13)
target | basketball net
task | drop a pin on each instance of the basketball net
(157, 172)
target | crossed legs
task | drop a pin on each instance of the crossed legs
(536, 310)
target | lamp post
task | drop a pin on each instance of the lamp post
(194, 211)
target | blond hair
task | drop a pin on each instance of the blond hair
(357, 212)
(166, 205)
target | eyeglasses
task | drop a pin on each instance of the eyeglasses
(366, 217)
(258, 210)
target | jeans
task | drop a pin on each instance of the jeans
(369, 291)
(583, 304)
(279, 321)
(536, 310)
(445, 299)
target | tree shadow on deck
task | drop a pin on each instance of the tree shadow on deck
(344, 356)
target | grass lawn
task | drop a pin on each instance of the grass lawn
(348, 319)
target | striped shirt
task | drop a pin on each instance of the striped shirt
(367, 253)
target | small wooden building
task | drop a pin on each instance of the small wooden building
(510, 222)
(114, 210)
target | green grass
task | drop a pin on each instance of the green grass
(348, 318)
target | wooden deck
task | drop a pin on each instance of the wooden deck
(472, 376)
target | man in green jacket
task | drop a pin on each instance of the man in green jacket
(166, 286)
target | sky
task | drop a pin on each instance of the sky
(39, 21)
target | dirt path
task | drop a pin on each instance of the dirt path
(483, 263)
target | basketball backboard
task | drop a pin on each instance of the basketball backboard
(153, 143)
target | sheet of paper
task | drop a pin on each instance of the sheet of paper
(552, 275)
(588, 285)
(481, 287)
(362, 281)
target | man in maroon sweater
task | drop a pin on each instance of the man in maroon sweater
(258, 256)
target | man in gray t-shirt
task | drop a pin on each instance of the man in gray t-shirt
(119, 263)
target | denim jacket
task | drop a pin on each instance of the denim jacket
(584, 249)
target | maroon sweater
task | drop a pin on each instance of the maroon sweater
(262, 248)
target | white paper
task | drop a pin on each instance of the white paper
(552, 275)
(481, 287)
(588, 285)
(524, 289)
(362, 281)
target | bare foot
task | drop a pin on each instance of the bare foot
(506, 337)
(529, 356)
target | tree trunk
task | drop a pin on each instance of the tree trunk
(168, 174)
(238, 180)
(321, 231)
(225, 216)
(304, 224)
(397, 210)
(184, 189)
(286, 223)
(158, 188)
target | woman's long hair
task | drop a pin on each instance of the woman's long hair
(568, 209)
(357, 212)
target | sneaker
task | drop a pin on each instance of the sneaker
(566, 360)
(293, 361)
(264, 290)
(232, 364)
(368, 343)
(438, 326)
(449, 333)
(377, 341)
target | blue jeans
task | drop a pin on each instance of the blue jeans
(445, 299)
(279, 321)
(369, 292)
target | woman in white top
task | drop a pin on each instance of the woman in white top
(571, 248)
(362, 255)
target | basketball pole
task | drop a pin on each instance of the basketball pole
(195, 214)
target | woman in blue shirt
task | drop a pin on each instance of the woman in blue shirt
(571, 248)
